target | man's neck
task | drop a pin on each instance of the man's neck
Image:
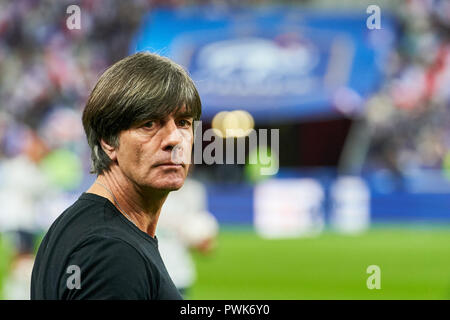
(141, 206)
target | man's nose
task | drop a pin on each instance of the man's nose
(172, 136)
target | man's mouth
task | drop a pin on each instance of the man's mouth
(170, 165)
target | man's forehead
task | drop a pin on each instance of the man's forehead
(179, 112)
(182, 111)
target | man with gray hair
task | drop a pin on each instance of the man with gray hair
(139, 125)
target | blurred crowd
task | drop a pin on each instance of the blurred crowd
(409, 117)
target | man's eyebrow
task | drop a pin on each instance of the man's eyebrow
(184, 114)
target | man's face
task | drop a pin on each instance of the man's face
(157, 153)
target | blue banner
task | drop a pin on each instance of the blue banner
(278, 63)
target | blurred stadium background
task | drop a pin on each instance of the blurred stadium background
(364, 136)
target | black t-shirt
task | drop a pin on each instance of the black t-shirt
(93, 252)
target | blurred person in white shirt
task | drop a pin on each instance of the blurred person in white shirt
(22, 185)
(185, 225)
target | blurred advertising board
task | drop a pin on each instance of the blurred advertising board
(289, 208)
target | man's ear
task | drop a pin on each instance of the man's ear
(109, 150)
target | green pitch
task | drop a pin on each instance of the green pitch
(5, 259)
(414, 263)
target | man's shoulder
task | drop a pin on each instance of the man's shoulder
(109, 246)
(87, 214)
(89, 217)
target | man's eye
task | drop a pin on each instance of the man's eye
(148, 124)
(184, 123)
